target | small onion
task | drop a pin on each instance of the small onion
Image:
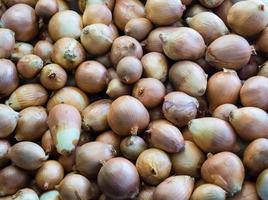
(254, 92)
(179, 108)
(194, 10)
(62, 5)
(263, 70)
(183, 44)
(138, 28)
(46, 8)
(109, 137)
(53, 77)
(7, 42)
(208, 192)
(132, 146)
(4, 148)
(116, 89)
(29, 66)
(211, 4)
(47, 143)
(261, 44)
(50, 195)
(223, 9)
(146, 193)
(188, 161)
(65, 24)
(27, 95)
(21, 19)
(32, 124)
(127, 116)
(68, 53)
(155, 65)
(156, 113)
(174, 187)
(248, 192)
(229, 178)
(21, 49)
(113, 182)
(8, 120)
(262, 183)
(223, 111)
(68, 162)
(27, 155)
(188, 77)
(49, 175)
(84, 3)
(154, 166)
(97, 13)
(249, 70)
(105, 60)
(43, 49)
(164, 12)
(212, 134)
(25, 194)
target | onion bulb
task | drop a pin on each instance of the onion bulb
(208, 192)
(263, 70)
(261, 44)
(21, 49)
(46, 8)
(7, 42)
(43, 49)
(4, 148)
(262, 183)
(97, 13)
(138, 28)
(248, 192)
(8, 120)
(223, 111)
(116, 89)
(109, 137)
(29, 66)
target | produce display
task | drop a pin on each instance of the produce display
(133, 100)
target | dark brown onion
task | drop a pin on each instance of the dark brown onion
(46, 8)
(21, 49)
(43, 49)
(223, 111)
(109, 137)
(116, 89)
(4, 148)
(7, 42)
(132, 146)
(29, 66)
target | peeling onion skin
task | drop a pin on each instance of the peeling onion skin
(7, 42)
(4, 148)
(8, 120)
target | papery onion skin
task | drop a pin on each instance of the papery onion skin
(116, 89)
(8, 120)
(7, 42)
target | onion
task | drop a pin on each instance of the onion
(261, 44)
(127, 10)
(113, 182)
(188, 77)
(91, 76)
(9, 79)
(146, 193)
(62, 5)
(156, 113)
(21, 19)
(12, 179)
(223, 111)
(153, 165)
(194, 10)
(4, 148)
(105, 60)
(46, 8)
(155, 65)
(8, 120)
(164, 12)
(27, 155)
(138, 28)
(261, 184)
(74, 187)
(223, 87)
(188, 161)
(111, 74)
(97, 13)
(68, 162)
(84, 3)
(68, 53)
(27, 95)
(183, 44)
(47, 143)
(252, 15)
(179, 108)
(21, 49)
(49, 175)
(64, 122)
(242, 120)
(209, 25)
(50, 195)
(43, 49)
(248, 192)
(10, 3)
(109, 137)
(89, 165)
(208, 191)
(7, 42)
(212, 134)
(223, 9)
(97, 38)
(211, 4)
(29, 66)
(249, 70)
(254, 92)
(174, 187)
(25, 194)
(132, 146)
(263, 70)
(229, 51)
(116, 89)
(65, 24)
(32, 124)
(53, 77)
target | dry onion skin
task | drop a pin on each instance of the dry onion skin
(21, 49)
(29, 66)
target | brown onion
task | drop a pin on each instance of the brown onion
(127, 10)
(29, 66)
(254, 92)
(68, 53)
(194, 10)
(211, 4)
(21, 19)
(116, 89)
(49, 175)
(155, 65)
(261, 44)
(248, 192)
(187, 135)
(212, 134)
(179, 108)
(138, 28)
(83, 3)
(249, 70)
(154, 166)
(223, 87)
(146, 193)
(223, 111)
(68, 162)
(53, 77)
(64, 122)
(261, 184)
(242, 120)
(263, 70)
(46, 8)
(229, 178)
(21, 49)
(164, 12)
(132, 146)
(174, 187)
(208, 192)
(91, 76)
(127, 116)
(65, 24)
(4, 148)
(47, 143)
(109, 137)
(43, 49)
(188, 77)
(248, 18)
(229, 51)
(32, 124)
(89, 165)
(183, 44)
(8, 120)
(7, 42)
(97, 13)
(125, 46)
(27, 95)
(12, 179)
(27, 155)
(188, 161)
